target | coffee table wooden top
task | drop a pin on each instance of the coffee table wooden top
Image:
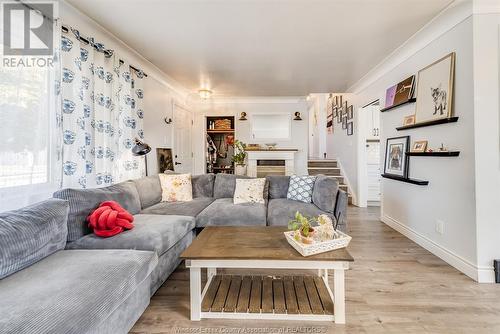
(251, 243)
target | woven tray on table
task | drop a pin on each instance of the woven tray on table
(318, 247)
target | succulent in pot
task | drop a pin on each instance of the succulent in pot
(302, 225)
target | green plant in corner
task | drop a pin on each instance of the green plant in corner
(239, 153)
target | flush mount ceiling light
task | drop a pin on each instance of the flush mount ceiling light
(205, 93)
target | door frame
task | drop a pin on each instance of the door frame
(362, 195)
(175, 106)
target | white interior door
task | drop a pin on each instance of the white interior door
(373, 171)
(183, 145)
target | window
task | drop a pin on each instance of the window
(29, 166)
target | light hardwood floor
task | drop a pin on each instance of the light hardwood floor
(394, 286)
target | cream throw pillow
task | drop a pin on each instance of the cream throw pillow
(249, 191)
(176, 187)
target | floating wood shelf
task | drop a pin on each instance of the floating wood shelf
(430, 123)
(407, 180)
(434, 154)
(221, 131)
(412, 100)
(266, 294)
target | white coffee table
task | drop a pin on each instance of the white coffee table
(300, 296)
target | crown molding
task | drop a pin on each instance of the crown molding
(252, 99)
(454, 14)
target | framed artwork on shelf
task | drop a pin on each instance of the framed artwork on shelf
(435, 90)
(396, 161)
(419, 146)
(404, 90)
(164, 159)
(390, 93)
(409, 120)
(350, 129)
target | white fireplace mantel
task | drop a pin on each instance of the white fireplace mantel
(288, 155)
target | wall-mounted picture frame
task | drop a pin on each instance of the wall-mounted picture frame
(339, 116)
(435, 90)
(409, 120)
(419, 146)
(350, 129)
(396, 160)
(350, 112)
(344, 122)
(164, 159)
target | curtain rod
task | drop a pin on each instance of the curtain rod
(100, 47)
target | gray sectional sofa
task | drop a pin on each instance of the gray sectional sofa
(67, 280)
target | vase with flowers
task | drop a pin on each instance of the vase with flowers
(239, 158)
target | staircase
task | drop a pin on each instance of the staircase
(329, 168)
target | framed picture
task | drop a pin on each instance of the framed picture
(335, 101)
(390, 93)
(339, 116)
(404, 90)
(164, 159)
(396, 161)
(344, 122)
(409, 120)
(349, 129)
(329, 123)
(419, 146)
(350, 112)
(435, 90)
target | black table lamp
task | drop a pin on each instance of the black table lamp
(141, 149)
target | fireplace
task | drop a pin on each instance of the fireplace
(263, 162)
(270, 167)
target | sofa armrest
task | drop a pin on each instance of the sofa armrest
(340, 212)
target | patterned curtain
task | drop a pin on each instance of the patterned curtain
(99, 117)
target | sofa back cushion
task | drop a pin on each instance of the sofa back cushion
(225, 184)
(83, 201)
(203, 185)
(278, 186)
(149, 190)
(325, 193)
(32, 233)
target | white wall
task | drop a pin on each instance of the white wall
(449, 197)
(234, 107)
(487, 137)
(160, 90)
(342, 147)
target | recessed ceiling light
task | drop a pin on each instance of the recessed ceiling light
(205, 93)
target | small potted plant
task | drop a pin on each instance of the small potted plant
(302, 226)
(239, 158)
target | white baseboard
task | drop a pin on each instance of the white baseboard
(481, 275)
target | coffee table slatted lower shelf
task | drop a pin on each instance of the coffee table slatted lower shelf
(292, 295)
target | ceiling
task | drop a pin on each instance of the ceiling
(263, 47)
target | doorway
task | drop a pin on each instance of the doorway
(371, 153)
(183, 131)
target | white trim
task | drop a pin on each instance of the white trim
(447, 19)
(446, 255)
(268, 264)
(254, 99)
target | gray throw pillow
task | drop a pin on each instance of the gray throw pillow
(301, 188)
(32, 233)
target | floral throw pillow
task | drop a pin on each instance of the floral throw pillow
(249, 191)
(176, 187)
(301, 188)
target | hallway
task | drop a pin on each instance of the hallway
(394, 286)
